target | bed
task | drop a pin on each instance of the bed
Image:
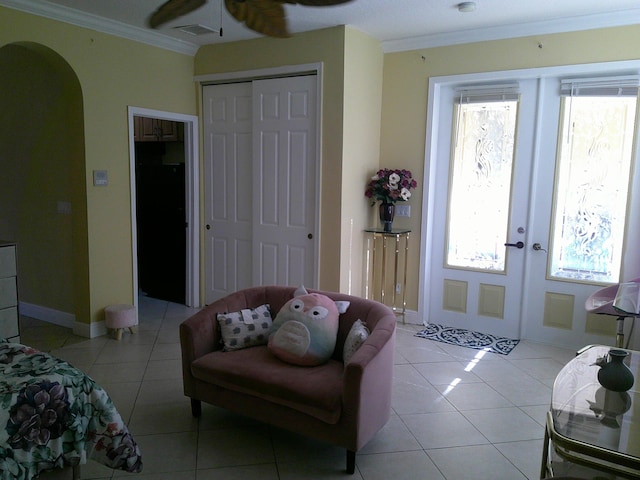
(53, 415)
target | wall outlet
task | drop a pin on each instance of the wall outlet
(64, 207)
(403, 210)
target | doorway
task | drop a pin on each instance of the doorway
(43, 192)
(161, 206)
(497, 271)
(164, 180)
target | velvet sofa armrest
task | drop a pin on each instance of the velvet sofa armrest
(199, 335)
(368, 379)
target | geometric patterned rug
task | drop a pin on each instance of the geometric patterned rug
(468, 338)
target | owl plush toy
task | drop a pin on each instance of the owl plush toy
(304, 331)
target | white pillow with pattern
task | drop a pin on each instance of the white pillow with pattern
(356, 337)
(246, 328)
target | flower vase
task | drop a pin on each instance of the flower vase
(614, 374)
(387, 211)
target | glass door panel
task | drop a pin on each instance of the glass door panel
(480, 185)
(592, 185)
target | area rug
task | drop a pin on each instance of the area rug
(468, 338)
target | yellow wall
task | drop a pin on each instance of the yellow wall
(362, 108)
(113, 73)
(326, 46)
(42, 162)
(406, 80)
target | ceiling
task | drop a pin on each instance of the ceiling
(397, 24)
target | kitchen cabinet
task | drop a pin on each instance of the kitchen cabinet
(147, 129)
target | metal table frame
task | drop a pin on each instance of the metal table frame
(375, 258)
(583, 453)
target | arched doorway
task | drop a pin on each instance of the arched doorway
(43, 204)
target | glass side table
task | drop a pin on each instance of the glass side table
(383, 248)
(589, 425)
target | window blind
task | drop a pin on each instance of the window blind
(487, 93)
(623, 86)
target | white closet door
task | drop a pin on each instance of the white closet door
(227, 188)
(284, 223)
(260, 184)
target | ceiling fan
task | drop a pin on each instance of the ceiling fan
(262, 16)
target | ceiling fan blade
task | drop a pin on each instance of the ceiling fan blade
(263, 16)
(317, 3)
(173, 9)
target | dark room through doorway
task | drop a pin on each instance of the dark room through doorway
(160, 208)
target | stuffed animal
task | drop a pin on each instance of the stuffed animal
(304, 331)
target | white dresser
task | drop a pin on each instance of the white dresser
(8, 292)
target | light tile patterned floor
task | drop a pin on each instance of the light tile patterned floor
(457, 413)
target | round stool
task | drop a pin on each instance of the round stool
(120, 317)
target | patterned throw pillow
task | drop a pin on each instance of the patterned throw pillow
(356, 337)
(246, 328)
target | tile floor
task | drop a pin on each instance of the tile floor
(457, 413)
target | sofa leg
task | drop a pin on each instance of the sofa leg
(351, 462)
(196, 408)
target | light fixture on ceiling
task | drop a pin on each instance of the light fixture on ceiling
(466, 7)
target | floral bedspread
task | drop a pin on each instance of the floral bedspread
(53, 415)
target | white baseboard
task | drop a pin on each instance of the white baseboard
(49, 315)
(411, 317)
(96, 329)
(63, 319)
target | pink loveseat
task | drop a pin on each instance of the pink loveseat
(344, 405)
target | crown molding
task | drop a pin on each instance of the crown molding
(572, 24)
(119, 29)
(100, 24)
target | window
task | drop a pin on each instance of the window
(593, 168)
(480, 178)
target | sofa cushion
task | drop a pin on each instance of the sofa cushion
(315, 391)
(246, 328)
(356, 337)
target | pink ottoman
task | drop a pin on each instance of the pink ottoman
(119, 317)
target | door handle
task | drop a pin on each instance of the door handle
(517, 244)
(538, 247)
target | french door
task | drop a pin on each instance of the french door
(514, 172)
(260, 184)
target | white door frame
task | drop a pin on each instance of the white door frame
(431, 157)
(192, 201)
(285, 71)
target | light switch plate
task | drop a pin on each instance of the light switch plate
(100, 178)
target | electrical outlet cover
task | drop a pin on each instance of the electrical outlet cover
(403, 210)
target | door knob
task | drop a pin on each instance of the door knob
(517, 244)
(537, 246)
(208, 227)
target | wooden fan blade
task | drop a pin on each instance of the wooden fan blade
(262, 16)
(173, 9)
(317, 3)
